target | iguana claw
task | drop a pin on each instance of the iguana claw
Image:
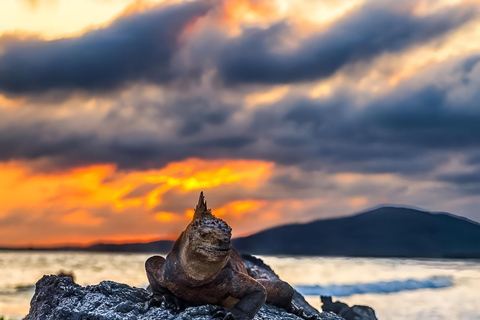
(155, 302)
(299, 311)
(168, 301)
(223, 314)
(173, 302)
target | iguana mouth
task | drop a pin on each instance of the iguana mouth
(216, 248)
(223, 248)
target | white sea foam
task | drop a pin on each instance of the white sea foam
(376, 287)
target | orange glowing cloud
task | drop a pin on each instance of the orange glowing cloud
(356, 202)
(235, 11)
(136, 7)
(348, 177)
(82, 218)
(239, 208)
(256, 215)
(110, 201)
(266, 97)
(60, 18)
(103, 185)
(10, 102)
(165, 216)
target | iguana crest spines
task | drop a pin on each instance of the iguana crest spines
(202, 211)
(203, 218)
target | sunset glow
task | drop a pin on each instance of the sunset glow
(115, 114)
(79, 195)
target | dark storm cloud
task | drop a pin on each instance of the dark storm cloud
(133, 48)
(227, 143)
(144, 47)
(474, 159)
(465, 178)
(40, 139)
(334, 135)
(466, 182)
(410, 131)
(65, 143)
(198, 112)
(253, 57)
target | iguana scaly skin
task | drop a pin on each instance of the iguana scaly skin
(203, 268)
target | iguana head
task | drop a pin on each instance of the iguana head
(208, 238)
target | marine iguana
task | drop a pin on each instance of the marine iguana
(203, 268)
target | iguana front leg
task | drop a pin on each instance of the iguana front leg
(279, 293)
(154, 269)
(251, 295)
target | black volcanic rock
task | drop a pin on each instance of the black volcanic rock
(348, 313)
(60, 298)
(383, 232)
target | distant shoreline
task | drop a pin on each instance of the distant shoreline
(385, 232)
(86, 250)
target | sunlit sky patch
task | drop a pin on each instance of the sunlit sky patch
(115, 114)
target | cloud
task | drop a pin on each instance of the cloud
(336, 153)
(467, 183)
(255, 57)
(141, 191)
(34, 4)
(144, 128)
(411, 130)
(89, 202)
(134, 48)
(102, 202)
(152, 47)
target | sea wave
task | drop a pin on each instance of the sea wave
(16, 289)
(376, 287)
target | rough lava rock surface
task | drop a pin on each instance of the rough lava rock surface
(60, 298)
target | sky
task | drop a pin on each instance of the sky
(115, 114)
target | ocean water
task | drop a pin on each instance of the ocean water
(396, 288)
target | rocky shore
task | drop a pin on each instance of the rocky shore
(60, 298)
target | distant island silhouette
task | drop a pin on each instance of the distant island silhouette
(383, 232)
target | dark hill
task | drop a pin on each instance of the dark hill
(162, 246)
(383, 232)
(155, 246)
